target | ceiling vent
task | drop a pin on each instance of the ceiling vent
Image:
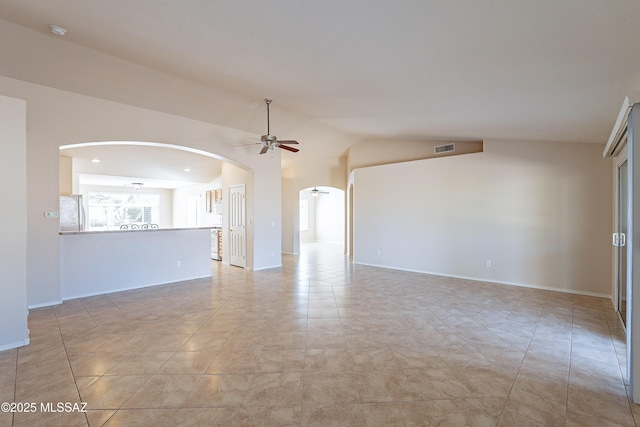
(444, 148)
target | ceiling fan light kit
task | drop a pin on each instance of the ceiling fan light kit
(315, 192)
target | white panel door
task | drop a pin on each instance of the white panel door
(237, 227)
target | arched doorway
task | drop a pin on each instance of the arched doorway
(322, 219)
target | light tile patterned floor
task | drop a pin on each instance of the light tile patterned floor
(321, 342)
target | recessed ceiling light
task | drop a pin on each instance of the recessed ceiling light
(58, 31)
(187, 170)
(95, 160)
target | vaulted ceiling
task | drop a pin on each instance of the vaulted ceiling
(423, 69)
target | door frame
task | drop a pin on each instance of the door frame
(628, 122)
(622, 159)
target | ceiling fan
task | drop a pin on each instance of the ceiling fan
(270, 142)
(315, 192)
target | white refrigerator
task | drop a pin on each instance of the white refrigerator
(72, 216)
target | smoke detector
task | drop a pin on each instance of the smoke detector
(58, 31)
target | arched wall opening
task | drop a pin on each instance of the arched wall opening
(182, 183)
(182, 186)
(321, 218)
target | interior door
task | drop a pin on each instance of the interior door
(620, 239)
(237, 227)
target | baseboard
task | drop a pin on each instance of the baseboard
(268, 267)
(15, 345)
(46, 304)
(129, 288)
(500, 282)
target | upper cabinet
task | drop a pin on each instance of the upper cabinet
(214, 201)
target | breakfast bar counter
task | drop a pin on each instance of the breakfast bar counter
(100, 262)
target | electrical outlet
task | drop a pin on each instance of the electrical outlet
(488, 263)
(378, 252)
(178, 264)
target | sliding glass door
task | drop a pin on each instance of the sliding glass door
(620, 238)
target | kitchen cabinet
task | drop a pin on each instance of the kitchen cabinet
(214, 201)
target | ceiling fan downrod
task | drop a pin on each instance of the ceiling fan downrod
(268, 101)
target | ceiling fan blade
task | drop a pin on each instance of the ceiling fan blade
(264, 149)
(284, 147)
(244, 145)
(288, 141)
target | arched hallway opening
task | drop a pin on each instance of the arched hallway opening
(322, 219)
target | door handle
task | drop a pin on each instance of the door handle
(619, 239)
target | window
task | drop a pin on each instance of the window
(109, 211)
(193, 211)
(304, 215)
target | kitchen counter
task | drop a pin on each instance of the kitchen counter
(129, 230)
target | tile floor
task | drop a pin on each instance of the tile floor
(320, 342)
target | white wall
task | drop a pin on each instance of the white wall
(13, 223)
(541, 212)
(309, 235)
(264, 232)
(100, 263)
(58, 118)
(307, 173)
(290, 218)
(180, 200)
(375, 152)
(330, 216)
(267, 228)
(326, 216)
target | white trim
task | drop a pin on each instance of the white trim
(44, 304)
(15, 345)
(620, 128)
(267, 267)
(155, 144)
(130, 288)
(623, 157)
(498, 282)
(633, 272)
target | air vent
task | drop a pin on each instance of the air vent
(444, 148)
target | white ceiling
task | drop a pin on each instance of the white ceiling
(424, 69)
(155, 167)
